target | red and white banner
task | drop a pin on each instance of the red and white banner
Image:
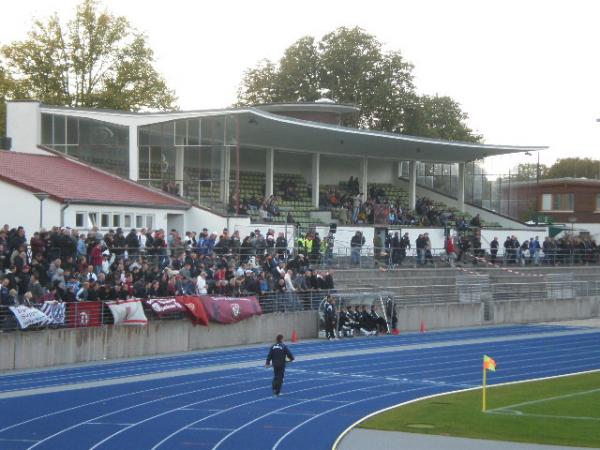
(84, 314)
(165, 306)
(128, 312)
(195, 308)
(230, 309)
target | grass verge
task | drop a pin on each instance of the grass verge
(560, 411)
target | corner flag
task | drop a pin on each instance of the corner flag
(488, 364)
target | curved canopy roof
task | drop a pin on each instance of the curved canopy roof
(264, 129)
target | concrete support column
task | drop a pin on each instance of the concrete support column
(134, 153)
(270, 164)
(179, 159)
(225, 174)
(364, 186)
(460, 192)
(316, 168)
(412, 184)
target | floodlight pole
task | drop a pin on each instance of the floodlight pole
(41, 196)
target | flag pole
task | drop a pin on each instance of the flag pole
(484, 385)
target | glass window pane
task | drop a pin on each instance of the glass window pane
(59, 129)
(105, 220)
(597, 202)
(149, 222)
(139, 221)
(546, 202)
(180, 132)
(116, 220)
(93, 218)
(72, 130)
(144, 163)
(79, 219)
(193, 132)
(47, 129)
(143, 136)
(127, 220)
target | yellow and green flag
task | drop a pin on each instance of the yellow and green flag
(489, 363)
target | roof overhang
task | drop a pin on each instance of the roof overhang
(263, 129)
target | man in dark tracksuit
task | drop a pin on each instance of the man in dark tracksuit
(277, 355)
(330, 316)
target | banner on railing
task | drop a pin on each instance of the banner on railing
(55, 311)
(28, 316)
(165, 306)
(128, 312)
(230, 309)
(84, 314)
(195, 307)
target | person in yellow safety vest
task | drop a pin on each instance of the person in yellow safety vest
(308, 243)
(300, 244)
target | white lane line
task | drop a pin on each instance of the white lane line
(124, 368)
(283, 437)
(514, 412)
(258, 418)
(137, 405)
(310, 357)
(547, 399)
(108, 423)
(343, 434)
(449, 355)
(164, 413)
(106, 399)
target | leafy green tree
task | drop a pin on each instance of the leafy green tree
(349, 65)
(575, 168)
(95, 60)
(528, 172)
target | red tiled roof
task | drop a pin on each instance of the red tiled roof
(65, 179)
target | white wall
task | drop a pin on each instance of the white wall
(381, 171)
(196, 219)
(21, 208)
(23, 125)
(334, 169)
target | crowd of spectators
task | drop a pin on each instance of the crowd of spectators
(353, 208)
(66, 265)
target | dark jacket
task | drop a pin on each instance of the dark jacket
(277, 354)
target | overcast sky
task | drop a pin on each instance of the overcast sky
(526, 72)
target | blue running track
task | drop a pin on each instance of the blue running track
(224, 401)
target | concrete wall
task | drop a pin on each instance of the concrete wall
(440, 315)
(66, 346)
(544, 310)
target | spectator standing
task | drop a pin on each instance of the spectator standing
(356, 244)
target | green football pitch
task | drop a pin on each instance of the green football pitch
(558, 411)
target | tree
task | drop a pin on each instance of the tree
(349, 65)
(575, 168)
(528, 172)
(95, 60)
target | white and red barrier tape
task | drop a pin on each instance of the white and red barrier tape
(505, 269)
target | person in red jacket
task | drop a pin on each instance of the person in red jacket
(96, 258)
(450, 251)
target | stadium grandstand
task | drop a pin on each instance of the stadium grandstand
(122, 232)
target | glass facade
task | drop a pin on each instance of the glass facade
(100, 144)
(511, 194)
(199, 145)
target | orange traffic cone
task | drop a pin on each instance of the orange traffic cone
(422, 327)
(294, 335)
